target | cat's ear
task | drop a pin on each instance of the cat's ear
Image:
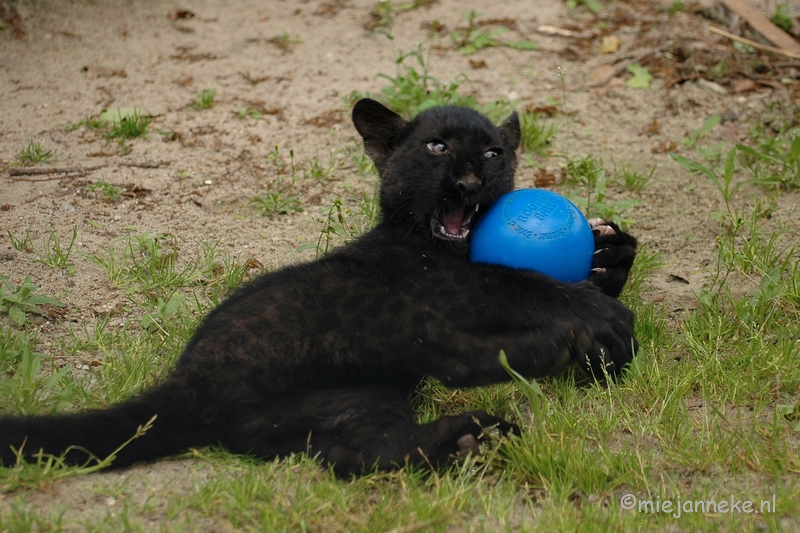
(379, 126)
(510, 131)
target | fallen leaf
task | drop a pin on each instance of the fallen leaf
(609, 44)
(544, 178)
(549, 110)
(652, 128)
(327, 119)
(135, 191)
(601, 73)
(641, 77)
(185, 82)
(664, 147)
(177, 14)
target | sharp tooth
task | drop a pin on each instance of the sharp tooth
(466, 232)
(442, 231)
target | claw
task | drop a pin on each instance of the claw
(596, 222)
(468, 445)
(600, 227)
(604, 231)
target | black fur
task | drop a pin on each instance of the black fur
(321, 357)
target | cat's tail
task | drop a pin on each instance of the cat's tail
(165, 419)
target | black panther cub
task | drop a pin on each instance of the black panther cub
(321, 357)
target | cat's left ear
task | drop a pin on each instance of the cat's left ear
(510, 131)
(379, 126)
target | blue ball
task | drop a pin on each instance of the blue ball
(535, 229)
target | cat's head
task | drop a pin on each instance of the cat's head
(439, 170)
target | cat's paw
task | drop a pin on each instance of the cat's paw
(461, 435)
(614, 253)
(602, 363)
(611, 345)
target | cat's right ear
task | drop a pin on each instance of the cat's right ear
(511, 131)
(379, 126)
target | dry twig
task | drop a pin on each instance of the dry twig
(757, 46)
(75, 172)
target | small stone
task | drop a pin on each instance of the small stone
(729, 115)
(712, 86)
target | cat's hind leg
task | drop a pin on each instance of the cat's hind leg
(357, 430)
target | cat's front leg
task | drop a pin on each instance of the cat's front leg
(602, 348)
(614, 253)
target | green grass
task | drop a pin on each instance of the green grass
(587, 183)
(413, 89)
(29, 390)
(537, 134)
(383, 12)
(774, 161)
(277, 203)
(712, 395)
(122, 124)
(634, 180)
(247, 112)
(280, 197)
(34, 153)
(474, 37)
(285, 42)
(783, 18)
(695, 136)
(151, 268)
(205, 100)
(595, 6)
(129, 127)
(344, 221)
(107, 191)
(53, 253)
(18, 302)
(707, 411)
(361, 161)
(21, 244)
(314, 170)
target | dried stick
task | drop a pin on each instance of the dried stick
(146, 164)
(75, 171)
(757, 46)
(15, 172)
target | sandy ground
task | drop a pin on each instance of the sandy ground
(78, 58)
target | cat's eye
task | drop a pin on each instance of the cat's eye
(437, 147)
(491, 154)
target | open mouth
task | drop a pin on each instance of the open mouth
(455, 225)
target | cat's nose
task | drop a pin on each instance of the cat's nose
(469, 185)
